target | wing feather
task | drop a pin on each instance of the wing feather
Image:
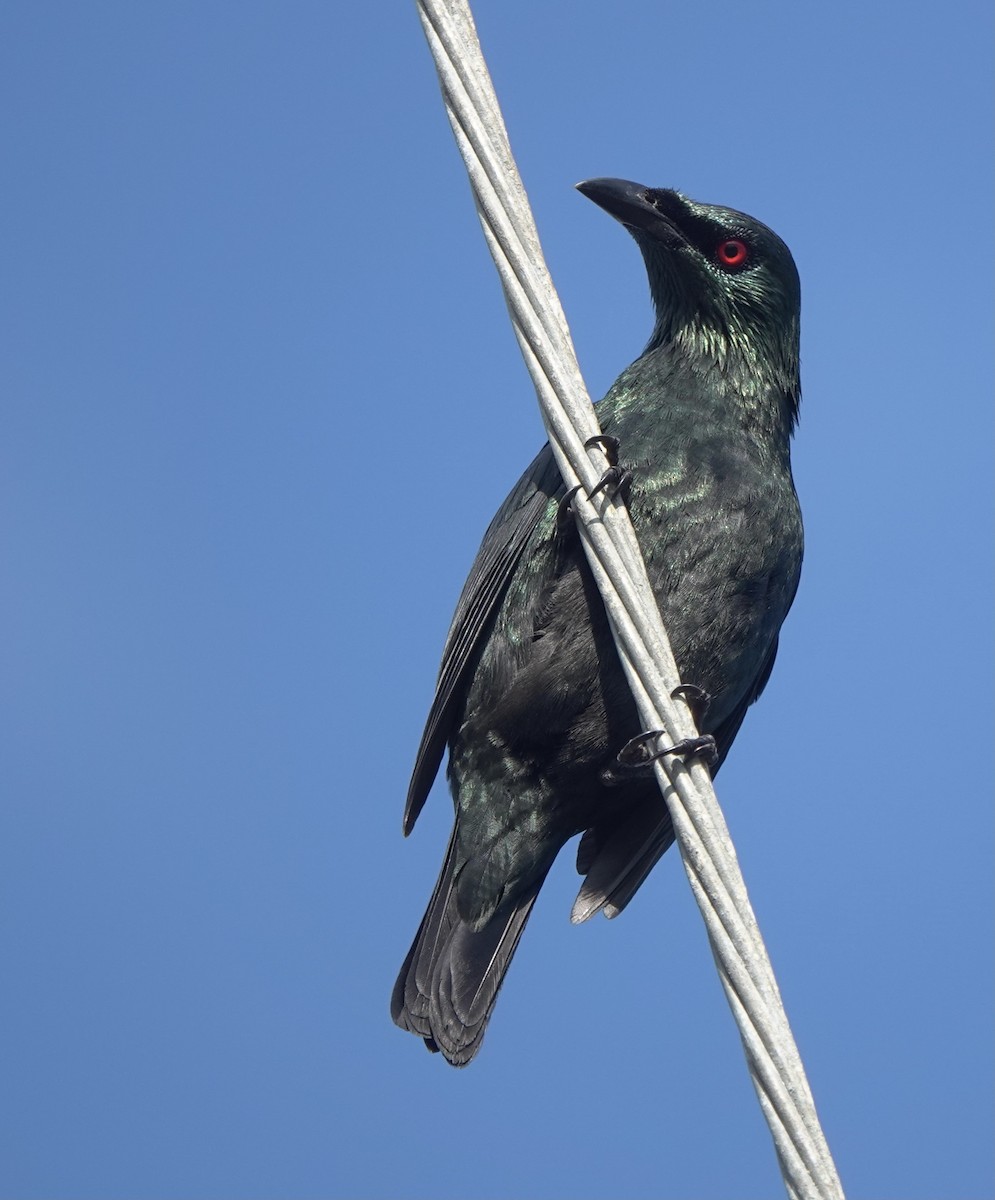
(500, 551)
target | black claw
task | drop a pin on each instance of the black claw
(563, 509)
(607, 443)
(698, 700)
(612, 482)
(636, 752)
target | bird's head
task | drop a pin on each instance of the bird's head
(724, 285)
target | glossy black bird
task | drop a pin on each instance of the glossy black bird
(531, 699)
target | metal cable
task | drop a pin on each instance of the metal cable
(613, 552)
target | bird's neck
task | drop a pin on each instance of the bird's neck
(702, 388)
(751, 382)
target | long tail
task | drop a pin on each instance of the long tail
(451, 977)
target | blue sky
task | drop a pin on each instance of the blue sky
(260, 401)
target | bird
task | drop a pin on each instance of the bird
(531, 701)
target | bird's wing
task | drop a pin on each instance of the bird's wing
(499, 553)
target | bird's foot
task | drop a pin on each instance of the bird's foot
(615, 477)
(639, 754)
(640, 751)
(611, 483)
(696, 698)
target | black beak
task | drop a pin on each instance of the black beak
(640, 209)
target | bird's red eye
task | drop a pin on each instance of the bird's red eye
(732, 252)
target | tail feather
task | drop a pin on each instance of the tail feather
(452, 974)
(617, 864)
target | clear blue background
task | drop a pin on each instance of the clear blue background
(260, 398)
